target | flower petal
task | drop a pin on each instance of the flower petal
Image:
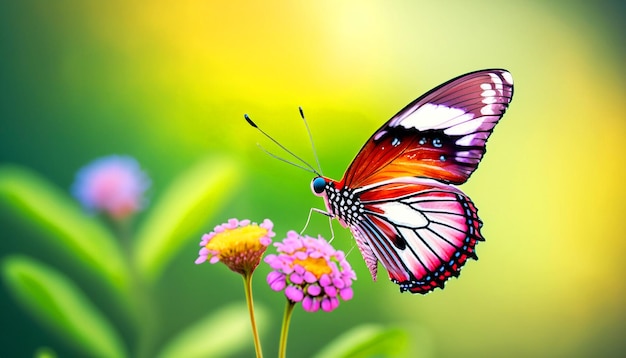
(294, 293)
(346, 293)
(330, 291)
(296, 279)
(309, 277)
(310, 304)
(276, 281)
(314, 290)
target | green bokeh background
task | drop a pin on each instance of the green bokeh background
(168, 82)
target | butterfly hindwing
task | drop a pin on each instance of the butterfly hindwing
(440, 135)
(421, 230)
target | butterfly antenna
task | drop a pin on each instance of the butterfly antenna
(306, 124)
(308, 167)
(310, 170)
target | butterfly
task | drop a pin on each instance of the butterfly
(399, 196)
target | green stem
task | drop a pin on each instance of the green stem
(141, 301)
(282, 349)
(247, 283)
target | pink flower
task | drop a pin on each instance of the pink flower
(238, 244)
(114, 185)
(310, 271)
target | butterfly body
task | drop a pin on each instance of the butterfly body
(399, 197)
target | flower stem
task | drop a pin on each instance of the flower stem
(282, 349)
(141, 301)
(247, 283)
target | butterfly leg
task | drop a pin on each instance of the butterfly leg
(332, 232)
(320, 211)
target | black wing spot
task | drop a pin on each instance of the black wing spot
(399, 242)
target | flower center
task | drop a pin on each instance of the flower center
(317, 266)
(237, 240)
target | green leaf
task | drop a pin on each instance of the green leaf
(45, 352)
(182, 212)
(368, 341)
(43, 206)
(216, 335)
(52, 298)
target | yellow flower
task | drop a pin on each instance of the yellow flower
(238, 244)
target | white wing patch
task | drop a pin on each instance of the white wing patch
(401, 214)
(464, 128)
(434, 116)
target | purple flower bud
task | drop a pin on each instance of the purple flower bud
(294, 293)
(313, 290)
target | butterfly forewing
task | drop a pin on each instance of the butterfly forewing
(440, 135)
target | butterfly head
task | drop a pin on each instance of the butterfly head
(328, 190)
(318, 186)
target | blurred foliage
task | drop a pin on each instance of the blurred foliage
(31, 197)
(168, 83)
(55, 300)
(217, 335)
(181, 211)
(369, 341)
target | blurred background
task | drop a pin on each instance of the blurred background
(168, 83)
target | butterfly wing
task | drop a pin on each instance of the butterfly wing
(397, 196)
(440, 135)
(421, 230)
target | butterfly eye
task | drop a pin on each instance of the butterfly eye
(318, 185)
